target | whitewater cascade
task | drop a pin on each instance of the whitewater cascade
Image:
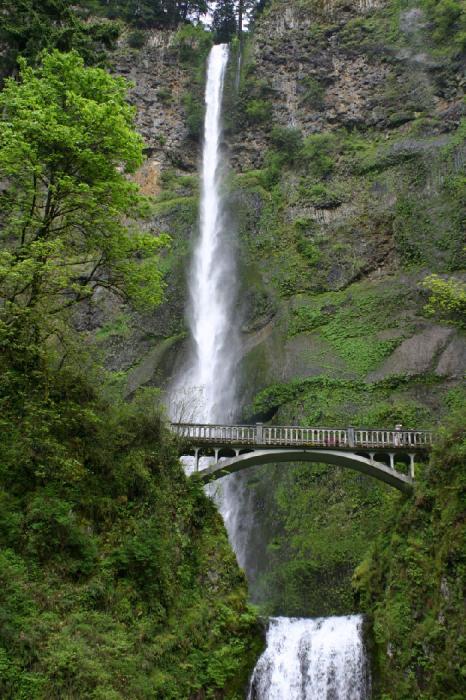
(212, 276)
(205, 390)
(304, 659)
(321, 659)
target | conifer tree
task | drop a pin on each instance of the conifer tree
(224, 20)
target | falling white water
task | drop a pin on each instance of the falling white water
(211, 283)
(205, 391)
(321, 659)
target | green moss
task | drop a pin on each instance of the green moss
(411, 584)
(116, 575)
(350, 322)
(119, 326)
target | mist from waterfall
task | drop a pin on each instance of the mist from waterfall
(307, 659)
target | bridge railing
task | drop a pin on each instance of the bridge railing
(393, 438)
(242, 434)
(291, 435)
(349, 438)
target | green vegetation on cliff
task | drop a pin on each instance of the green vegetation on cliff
(411, 583)
(117, 579)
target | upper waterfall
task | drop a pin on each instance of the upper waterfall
(211, 280)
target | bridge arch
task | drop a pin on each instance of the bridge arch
(351, 460)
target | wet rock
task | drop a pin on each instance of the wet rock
(415, 355)
(452, 362)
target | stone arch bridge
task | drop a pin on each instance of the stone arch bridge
(378, 453)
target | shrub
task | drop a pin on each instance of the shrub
(258, 111)
(447, 299)
(317, 153)
(319, 195)
(164, 94)
(192, 43)
(194, 115)
(313, 95)
(136, 39)
(288, 141)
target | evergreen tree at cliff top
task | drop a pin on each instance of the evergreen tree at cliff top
(224, 22)
(151, 13)
(29, 26)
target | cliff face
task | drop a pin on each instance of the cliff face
(346, 153)
(167, 73)
(347, 146)
(365, 111)
(355, 65)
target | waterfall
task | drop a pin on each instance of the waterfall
(321, 659)
(205, 391)
(212, 281)
(209, 376)
(318, 659)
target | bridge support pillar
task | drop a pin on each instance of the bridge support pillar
(392, 460)
(196, 459)
(411, 465)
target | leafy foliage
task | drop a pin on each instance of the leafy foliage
(67, 143)
(117, 578)
(29, 26)
(447, 299)
(411, 582)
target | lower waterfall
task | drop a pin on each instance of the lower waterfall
(312, 659)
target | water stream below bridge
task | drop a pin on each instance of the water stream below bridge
(305, 659)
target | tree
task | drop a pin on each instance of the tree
(29, 26)
(447, 299)
(224, 21)
(153, 13)
(67, 143)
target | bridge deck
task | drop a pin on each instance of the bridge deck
(262, 436)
